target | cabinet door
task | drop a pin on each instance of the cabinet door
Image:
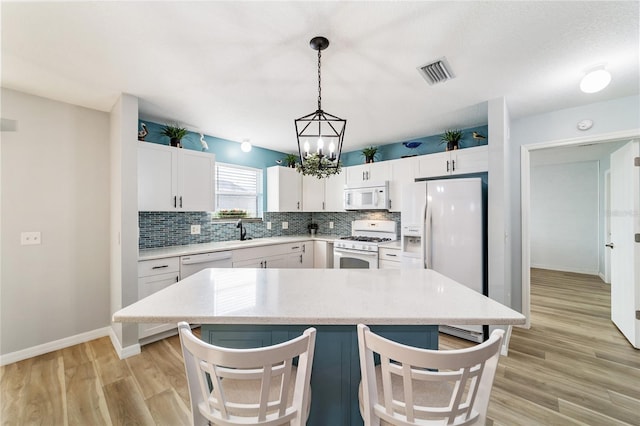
(146, 287)
(319, 254)
(157, 177)
(434, 165)
(470, 160)
(313, 194)
(282, 261)
(284, 189)
(403, 171)
(379, 172)
(356, 174)
(334, 192)
(251, 263)
(196, 181)
(308, 249)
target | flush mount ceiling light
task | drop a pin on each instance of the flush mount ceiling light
(596, 79)
(320, 129)
(245, 146)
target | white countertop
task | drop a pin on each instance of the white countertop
(319, 296)
(186, 250)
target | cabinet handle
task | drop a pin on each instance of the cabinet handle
(181, 201)
(262, 263)
(300, 258)
(295, 247)
(265, 264)
(447, 165)
(453, 165)
(323, 205)
(160, 267)
(304, 246)
(391, 255)
(390, 204)
(363, 175)
(175, 201)
(177, 278)
(298, 205)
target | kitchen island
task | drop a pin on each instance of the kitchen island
(257, 307)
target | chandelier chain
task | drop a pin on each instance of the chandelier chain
(319, 81)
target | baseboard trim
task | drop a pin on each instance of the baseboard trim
(602, 277)
(54, 345)
(123, 352)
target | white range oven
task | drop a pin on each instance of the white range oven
(360, 250)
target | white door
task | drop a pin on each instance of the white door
(625, 251)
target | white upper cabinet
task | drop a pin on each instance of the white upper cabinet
(373, 172)
(284, 189)
(173, 179)
(403, 171)
(323, 195)
(456, 162)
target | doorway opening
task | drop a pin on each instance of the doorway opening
(525, 158)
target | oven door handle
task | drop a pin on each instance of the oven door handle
(358, 252)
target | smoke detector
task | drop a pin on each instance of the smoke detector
(437, 71)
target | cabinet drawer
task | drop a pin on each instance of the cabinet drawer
(387, 264)
(158, 266)
(388, 254)
(269, 250)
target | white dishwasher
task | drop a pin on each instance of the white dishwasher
(189, 265)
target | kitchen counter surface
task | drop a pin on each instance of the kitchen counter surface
(319, 296)
(186, 250)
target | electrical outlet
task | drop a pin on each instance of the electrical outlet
(195, 229)
(30, 238)
(330, 225)
(269, 225)
(285, 225)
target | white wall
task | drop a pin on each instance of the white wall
(564, 217)
(55, 179)
(124, 219)
(611, 116)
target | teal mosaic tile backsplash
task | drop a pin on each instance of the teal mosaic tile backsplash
(163, 229)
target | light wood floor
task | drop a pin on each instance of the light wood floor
(572, 367)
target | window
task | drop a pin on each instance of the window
(238, 188)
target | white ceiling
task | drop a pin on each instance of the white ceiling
(239, 69)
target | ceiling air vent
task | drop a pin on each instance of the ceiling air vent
(436, 72)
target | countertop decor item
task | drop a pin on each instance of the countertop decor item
(451, 138)
(313, 228)
(175, 133)
(369, 154)
(326, 131)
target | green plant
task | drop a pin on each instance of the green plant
(451, 138)
(174, 131)
(369, 153)
(290, 160)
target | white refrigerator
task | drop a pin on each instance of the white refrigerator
(442, 229)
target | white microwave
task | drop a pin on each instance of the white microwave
(367, 196)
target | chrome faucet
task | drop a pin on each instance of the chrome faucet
(243, 232)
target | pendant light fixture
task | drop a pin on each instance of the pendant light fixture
(320, 134)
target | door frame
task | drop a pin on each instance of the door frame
(525, 200)
(606, 277)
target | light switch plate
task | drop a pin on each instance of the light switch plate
(330, 225)
(268, 225)
(30, 238)
(285, 225)
(195, 229)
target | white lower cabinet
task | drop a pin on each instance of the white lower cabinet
(153, 276)
(290, 255)
(389, 258)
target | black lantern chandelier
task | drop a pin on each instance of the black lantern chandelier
(320, 134)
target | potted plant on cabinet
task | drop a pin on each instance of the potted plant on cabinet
(290, 160)
(451, 138)
(369, 153)
(175, 133)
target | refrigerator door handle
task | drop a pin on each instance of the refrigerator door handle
(426, 241)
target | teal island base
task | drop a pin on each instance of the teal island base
(336, 367)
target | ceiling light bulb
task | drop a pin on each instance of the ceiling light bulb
(245, 146)
(595, 80)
